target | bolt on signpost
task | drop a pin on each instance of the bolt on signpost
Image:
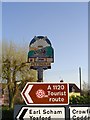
(40, 55)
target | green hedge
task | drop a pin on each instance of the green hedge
(7, 114)
(79, 100)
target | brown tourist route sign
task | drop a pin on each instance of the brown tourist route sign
(45, 93)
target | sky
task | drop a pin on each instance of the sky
(66, 26)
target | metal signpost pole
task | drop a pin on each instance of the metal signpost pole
(80, 80)
(40, 74)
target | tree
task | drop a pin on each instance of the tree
(86, 88)
(15, 68)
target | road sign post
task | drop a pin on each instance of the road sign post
(40, 55)
(41, 113)
(45, 93)
(65, 112)
(46, 101)
(80, 112)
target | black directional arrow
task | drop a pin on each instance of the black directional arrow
(22, 114)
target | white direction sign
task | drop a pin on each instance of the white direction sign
(41, 113)
(80, 113)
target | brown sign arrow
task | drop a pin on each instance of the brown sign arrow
(45, 93)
